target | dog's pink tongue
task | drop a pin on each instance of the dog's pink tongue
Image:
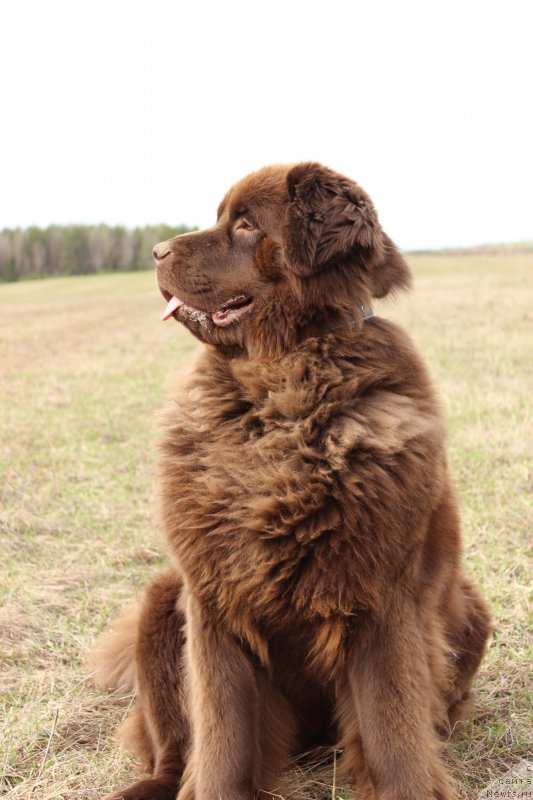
(173, 304)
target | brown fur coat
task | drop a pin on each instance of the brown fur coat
(317, 594)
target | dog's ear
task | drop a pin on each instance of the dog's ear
(390, 273)
(331, 219)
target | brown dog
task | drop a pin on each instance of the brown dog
(317, 594)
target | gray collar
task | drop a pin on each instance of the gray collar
(366, 311)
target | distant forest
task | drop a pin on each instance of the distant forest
(85, 249)
(79, 249)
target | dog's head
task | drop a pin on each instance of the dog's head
(295, 251)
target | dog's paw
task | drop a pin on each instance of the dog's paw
(150, 789)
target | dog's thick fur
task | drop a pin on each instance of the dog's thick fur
(316, 595)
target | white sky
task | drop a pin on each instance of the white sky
(147, 110)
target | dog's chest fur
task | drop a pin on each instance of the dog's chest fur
(275, 481)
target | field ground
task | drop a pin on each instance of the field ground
(83, 369)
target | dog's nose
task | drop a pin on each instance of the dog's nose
(160, 251)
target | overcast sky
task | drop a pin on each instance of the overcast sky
(147, 110)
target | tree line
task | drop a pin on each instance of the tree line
(79, 249)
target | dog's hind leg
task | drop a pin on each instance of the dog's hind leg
(468, 628)
(158, 728)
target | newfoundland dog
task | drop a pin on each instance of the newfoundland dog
(316, 594)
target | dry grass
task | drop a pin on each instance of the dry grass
(83, 367)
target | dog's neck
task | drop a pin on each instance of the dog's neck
(282, 335)
(332, 320)
(257, 374)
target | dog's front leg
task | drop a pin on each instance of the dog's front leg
(386, 708)
(224, 707)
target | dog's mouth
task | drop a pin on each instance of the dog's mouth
(231, 311)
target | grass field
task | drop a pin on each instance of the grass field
(83, 368)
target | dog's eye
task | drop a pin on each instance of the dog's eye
(243, 224)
